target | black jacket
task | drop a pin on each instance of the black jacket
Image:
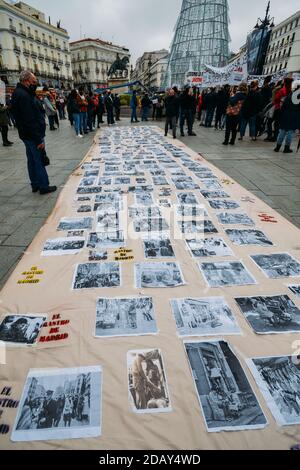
(73, 106)
(186, 101)
(222, 101)
(29, 115)
(252, 105)
(211, 100)
(172, 106)
(146, 102)
(290, 114)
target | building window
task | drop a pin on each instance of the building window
(289, 53)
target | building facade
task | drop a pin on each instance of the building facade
(92, 59)
(28, 42)
(284, 47)
(151, 68)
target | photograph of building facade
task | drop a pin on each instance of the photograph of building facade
(29, 42)
(92, 59)
(284, 47)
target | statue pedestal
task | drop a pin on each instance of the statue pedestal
(119, 81)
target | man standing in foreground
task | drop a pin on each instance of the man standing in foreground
(30, 120)
(172, 111)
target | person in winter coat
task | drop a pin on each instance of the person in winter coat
(109, 104)
(146, 105)
(186, 102)
(90, 111)
(172, 108)
(233, 113)
(83, 105)
(250, 109)
(289, 120)
(211, 104)
(4, 121)
(223, 96)
(30, 119)
(50, 111)
(280, 93)
(117, 106)
(74, 111)
(133, 106)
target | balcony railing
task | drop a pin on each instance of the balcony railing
(22, 33)
(38, 39)
(68, 64)
(41, 56)
(47, 58)
(45, 42)
(34, 54)
(17, 49)
(26, 51)
(30, 36)
(12, 28)
(58, 47)
(60, 62)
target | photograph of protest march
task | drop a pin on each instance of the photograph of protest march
(60, 404)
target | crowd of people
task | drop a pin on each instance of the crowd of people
(270, 109)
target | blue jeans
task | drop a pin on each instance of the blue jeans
(252, 126)
(145, 113)
(209, 116)
(76, 120)
(37, 172)
(133, 115)
(83, 123)
(287, 135)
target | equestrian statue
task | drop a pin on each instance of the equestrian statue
(119, 64)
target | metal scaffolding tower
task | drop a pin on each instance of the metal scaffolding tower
(201, 37)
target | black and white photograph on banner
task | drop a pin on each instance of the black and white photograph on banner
(189, 199)
(106, 240)
(185, 183)
(226, 398)
(165, 192)
(84, 223)
(160, 181)
(197, 226)
(130, 316)
(158, 248)
(164, 203)
(84, 199)
(205, 247)
(63, 246)
(270, 314)
(89, 189)
(76, 233)
(226, 273)
(141, 181)
(144, 199)
(112, 199)
(91, 181)
(161, 275)
(144, 212)
(150, 225)
(204, 317)
(84, 209)
(295, 290)
(97, 275)
(248, 237)
(141, 189)
(21, 329)
(90, 173)
(225, 204)
(278, 265)
(104, 181)
(108, 220)
(211, 184)
(214, 194)
(278, 379)
(123, 180)
(228, 218)
(95, 255)
(59, 404)
(147, 382)
(191, 211)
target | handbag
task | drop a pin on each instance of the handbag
(45, 158)
(234, 110)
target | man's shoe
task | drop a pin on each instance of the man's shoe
(9, 142)
(192, 134)
(225, 143)
(182, 134)
(35, 190)
(6, 144)
(50, 189)
(277, 148)
(287, 149)
(232, 143)
(137, 121)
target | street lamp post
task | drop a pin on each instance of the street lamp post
(262, 25)
(149, 71)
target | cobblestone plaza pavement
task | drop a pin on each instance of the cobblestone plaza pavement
(274, 178)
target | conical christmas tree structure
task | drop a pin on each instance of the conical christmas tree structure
(201, 37)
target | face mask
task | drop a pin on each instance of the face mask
(33, 88)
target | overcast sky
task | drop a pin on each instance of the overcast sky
(145, 25)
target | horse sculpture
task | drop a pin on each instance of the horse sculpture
(119, 64)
